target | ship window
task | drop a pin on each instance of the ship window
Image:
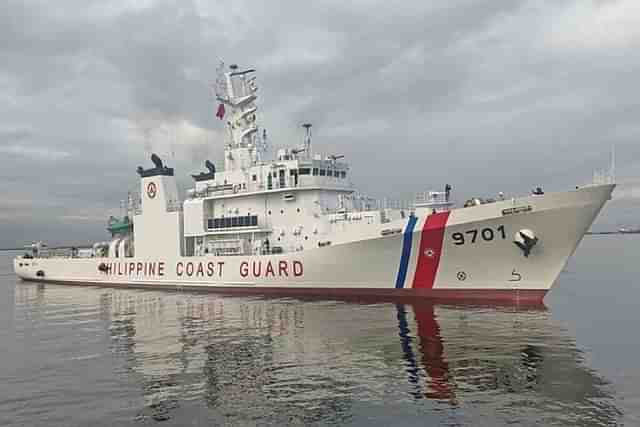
(343, 174)
(282, 211)
(254, 177)
(315, 171)
(269, 212)
(304, 171)
(238, 221)
(336, 174)
(323, 172)
(298, 209)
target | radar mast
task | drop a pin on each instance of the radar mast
(236, 89)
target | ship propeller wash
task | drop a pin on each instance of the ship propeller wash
(294, 224)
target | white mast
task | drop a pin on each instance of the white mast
(612, 171)
(307, 139)
(236, 91)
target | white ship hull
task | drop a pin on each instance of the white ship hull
(467, 253)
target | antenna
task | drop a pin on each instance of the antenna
(307, 138)
(147, 140)
(612, 171)
(220, 86)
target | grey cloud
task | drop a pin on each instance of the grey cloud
(487, 95)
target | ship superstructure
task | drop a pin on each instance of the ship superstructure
(295, 223)
(297, 201)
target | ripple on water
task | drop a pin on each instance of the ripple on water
(131, 357)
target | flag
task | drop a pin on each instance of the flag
(220, 112)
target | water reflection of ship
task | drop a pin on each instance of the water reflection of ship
(455, 353)
(463, 352)
(313, 361)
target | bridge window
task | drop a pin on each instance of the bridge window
(315, 171)
(238, 221)
(343, 174)
(336, 174)
(304, 171)
(323, 172)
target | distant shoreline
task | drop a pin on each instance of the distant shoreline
(84, 246)
(610, 232)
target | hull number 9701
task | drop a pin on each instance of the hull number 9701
(472, 236)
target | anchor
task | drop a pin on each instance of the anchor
(525, 239)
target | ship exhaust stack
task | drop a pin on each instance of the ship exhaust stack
(158, 224)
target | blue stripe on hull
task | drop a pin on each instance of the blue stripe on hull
(406, 251)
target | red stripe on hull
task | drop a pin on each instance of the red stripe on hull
(430, 250)
(523, 296)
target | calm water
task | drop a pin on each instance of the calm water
(97, 356)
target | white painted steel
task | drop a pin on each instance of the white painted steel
(371, 260)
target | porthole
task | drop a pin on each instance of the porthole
(306, 237)
(269, 212)
(282, 211)
(298, 210)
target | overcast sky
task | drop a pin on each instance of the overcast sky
(487, 95)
